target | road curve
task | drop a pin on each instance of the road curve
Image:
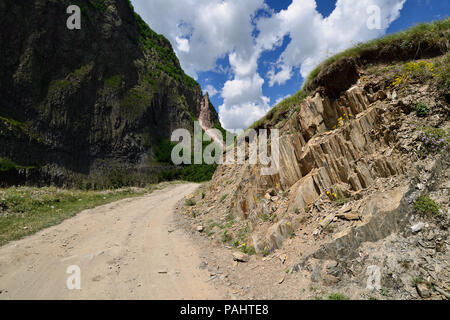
(123, 250)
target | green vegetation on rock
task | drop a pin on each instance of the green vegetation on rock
(7, 164)
(425, 205)
(433, 33)
(279, 111)
(424, 35)
(113, 81)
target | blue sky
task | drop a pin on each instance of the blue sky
(250, 54)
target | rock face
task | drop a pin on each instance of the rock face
(81, 101)
(346, 204)
(325, 144)
(206, 112)
(208, 119)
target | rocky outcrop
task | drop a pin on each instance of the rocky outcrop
(205, 112)
(208, 119)
(345, 70)
(337, 76)
(324, 144)
(360, 199)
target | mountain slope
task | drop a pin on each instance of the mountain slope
(362, 182)
(79, 103)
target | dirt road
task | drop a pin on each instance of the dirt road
(124, 250)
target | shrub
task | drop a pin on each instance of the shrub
(385, 292)
(337, 296)
(6, 164)
(226, 237)
(425, 205)
(163, 151)
(190, 202)
(422, 110)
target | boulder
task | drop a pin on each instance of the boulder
(423, 290)
(240, 256)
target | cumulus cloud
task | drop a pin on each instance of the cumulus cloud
(313, 37)
(243, 102)
(182, 44)
(203, 31)
(212, 28)
(211, 90)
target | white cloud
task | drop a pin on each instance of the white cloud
(313, 37)
(280, 77)
(211, 90)
(203, 31)
(241, 116)
(182, 44)
(243, 102)
(213, 28)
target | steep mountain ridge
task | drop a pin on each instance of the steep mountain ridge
(83, 103)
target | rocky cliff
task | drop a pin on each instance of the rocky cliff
(362, 178)
(83, 103)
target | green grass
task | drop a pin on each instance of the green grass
(250, 250)
(168, 62)
(27, 210)
(113, 81)
(56, 86)
(135, 102)
(443, 71)
(422, 33)
(337, 296)
(385, 292)
(226, 237)
(279, 111)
